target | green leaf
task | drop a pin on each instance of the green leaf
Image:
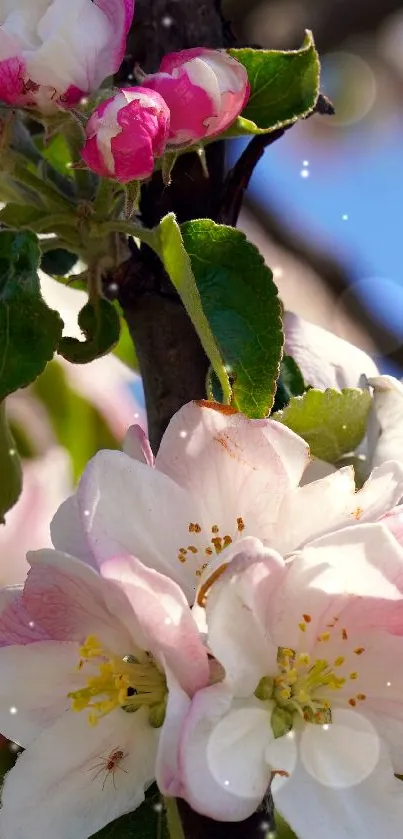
(10, 468)
(332, 422)
(29, 330)
(178, 266)
(147, 822)
(100, 324)
(284, 87)
(290, 383)
(283, 830)
(56, 152)
(241, 305)
(19, 216)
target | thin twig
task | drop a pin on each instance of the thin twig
(237, 180)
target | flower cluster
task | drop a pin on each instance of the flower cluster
(206, 621)
(53, 56)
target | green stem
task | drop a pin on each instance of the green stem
(174, 823)
(149, 237)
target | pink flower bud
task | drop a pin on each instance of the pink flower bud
(126, 133)
(205, 91)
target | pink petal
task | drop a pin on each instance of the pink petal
(120, 16)
(165, 619)
(16, 623)
(12, 73)
(355, 575)
(71, 601)
(190, 106)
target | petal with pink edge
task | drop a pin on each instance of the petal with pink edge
(137, 445)
(16, 624)
(71, 601)
(120, 16)
(165, 619)
(352, 578)
(74, 795)
(167, 771)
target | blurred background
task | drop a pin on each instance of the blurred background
(325, 205)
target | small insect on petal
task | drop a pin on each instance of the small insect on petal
(109, 765)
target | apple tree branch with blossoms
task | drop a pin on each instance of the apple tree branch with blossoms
(213, 647)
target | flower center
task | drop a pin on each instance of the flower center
(305, 687)
(128, 683)
(300, 687)
(205, 545)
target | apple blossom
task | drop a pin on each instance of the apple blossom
(204, 89)
(125, 133)
(217, 478)
(95, 671)
(312, 701)
(52, 52)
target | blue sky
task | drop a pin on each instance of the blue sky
(359, 175)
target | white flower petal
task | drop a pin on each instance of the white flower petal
(126, 507)
(67, 791)
(224, 773)
(325, 360)
(385, 425)
(67, 532)
(167, 771)
(365, 809)
(35, 681)
(235, 635)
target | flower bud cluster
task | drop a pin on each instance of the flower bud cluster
(195, 95)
